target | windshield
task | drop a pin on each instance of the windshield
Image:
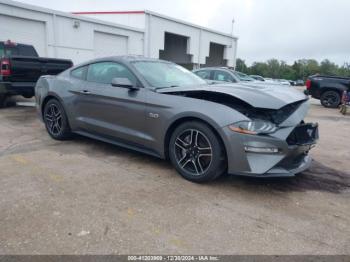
(243, 77)
(163, 74)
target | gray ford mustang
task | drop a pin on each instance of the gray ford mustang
(162, 109)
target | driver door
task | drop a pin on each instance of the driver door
(109, 111)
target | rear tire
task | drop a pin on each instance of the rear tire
(196, 152)
(330, 99)
(3, 101)
(56, 121)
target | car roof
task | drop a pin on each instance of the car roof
(124, 58)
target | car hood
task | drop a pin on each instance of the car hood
(259, 96)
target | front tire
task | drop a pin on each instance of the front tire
(56, 121)
(196, 152)
(330, 99)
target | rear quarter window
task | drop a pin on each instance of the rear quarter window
(79, 73)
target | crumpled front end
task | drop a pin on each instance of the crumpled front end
(281, 153)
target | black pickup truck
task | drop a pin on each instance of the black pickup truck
(328, 89)
(21, 67)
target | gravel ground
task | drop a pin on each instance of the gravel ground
(87, 197)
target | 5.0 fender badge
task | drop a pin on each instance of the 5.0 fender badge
(153, 115)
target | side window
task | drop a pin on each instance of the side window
(204, 74)
(79, 73)
(104, 72)
(26, 50)
(223, 76)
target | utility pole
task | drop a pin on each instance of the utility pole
(233, 22)
(232, 43)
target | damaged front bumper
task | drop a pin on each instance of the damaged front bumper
(281, 154)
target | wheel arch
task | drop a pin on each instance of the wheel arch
(326, 89)
(182, 120)
(46, 100)
(49, 97)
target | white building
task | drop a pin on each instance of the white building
(176, 40)
(63, 35)
(86, 35)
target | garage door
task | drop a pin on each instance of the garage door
(110, 44)
(24, 31)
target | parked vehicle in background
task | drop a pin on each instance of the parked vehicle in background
(21, 67)
(283, 82)
(258, 78)
(222, 74)
(243, 77)
(160, 108)
(299, 82)
(219, 74)
(328, 89)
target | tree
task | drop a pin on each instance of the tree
(241, 66)
(300, 69)
(328, 68)
(345, 70)
(259, 68)
(273, 67)
(286, 71)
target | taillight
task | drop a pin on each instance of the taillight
(5, 67)
(308, 84)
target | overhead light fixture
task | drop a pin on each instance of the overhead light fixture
(76, 23)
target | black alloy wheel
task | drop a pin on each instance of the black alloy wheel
(55, 120)
(330, 99)
(196, 152)
(193, 151)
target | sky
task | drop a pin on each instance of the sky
(284, 29)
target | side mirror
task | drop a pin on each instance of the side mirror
(123, 82)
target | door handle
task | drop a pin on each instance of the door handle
(84, 92)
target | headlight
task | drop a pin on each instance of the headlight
(254, 127)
